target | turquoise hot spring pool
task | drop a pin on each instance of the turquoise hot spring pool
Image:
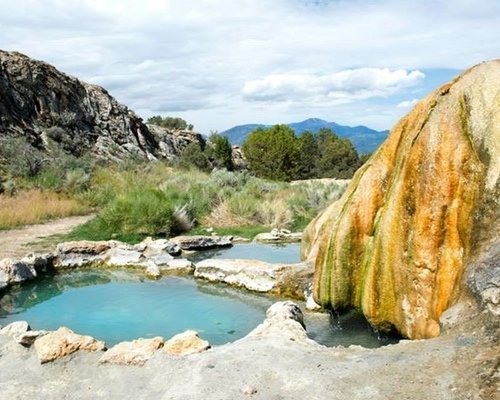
(118, 305)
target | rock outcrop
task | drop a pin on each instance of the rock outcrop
(259, 276)
(43, 105)
(396, 245)
(185, 343)
(202, 242)
(64, 342)
(279, 236)
(136, 352)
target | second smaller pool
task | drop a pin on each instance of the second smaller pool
(288, 253)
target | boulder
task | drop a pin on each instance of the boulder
(82, 253)
(185, 343)
(202, 242)
(121, 256)
(64, 342)
(157, 247)
(484, 278)
(153, 271)
(41, 262)
(284, 320)
(281, 279)
(29, 337)
(279, 236)
(178, 266)
(254, 275)
(396, 246)
(12, 271)
(136, 352)
(285, 310)
(15, 328)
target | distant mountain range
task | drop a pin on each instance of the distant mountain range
(364, 139)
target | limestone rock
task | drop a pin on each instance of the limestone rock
(81, 253)
(202, 242)
(156, 247)
(120, 256)
(63, 342)
(15, 328)
(178, 266)
(171, 143)
(40, 262)
(239, 161)
(250, 274)
(484, 277)
(153, 271)
(285, 310)
(186, 343)
(12, 271)
(29, 337)
(284, 320)
(396, 245)
(279, 236)
(136, 352)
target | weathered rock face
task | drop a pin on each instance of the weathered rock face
(396, 244)
(171, 143)
(185, 343)
(42, 104)
(64, 342)
(136, 352)
(12, 271)
(259, 276)
(239, 160)
(202, 242)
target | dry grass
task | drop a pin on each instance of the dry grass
(35, 206)
(222, 216)
(274, 213)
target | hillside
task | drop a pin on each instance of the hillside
(366, 140)
(43, 106)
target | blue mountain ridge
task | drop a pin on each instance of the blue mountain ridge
(364, 139)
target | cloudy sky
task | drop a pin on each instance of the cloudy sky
(219, 63)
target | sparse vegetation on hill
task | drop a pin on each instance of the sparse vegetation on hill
(175, 123)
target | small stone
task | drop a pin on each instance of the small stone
(15, 328)
(248, 390)
(13, 271)
(136, 352)
(29, 337)
(311, 305)
(186, 343)
(63, 342)
(153, 271)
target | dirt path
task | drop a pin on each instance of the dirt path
(19, 242)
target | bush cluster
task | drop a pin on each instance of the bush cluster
(277, 153)
(216, 154)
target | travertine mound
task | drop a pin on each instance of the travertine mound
(396, 245)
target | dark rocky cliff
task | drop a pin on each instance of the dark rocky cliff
(40, 103)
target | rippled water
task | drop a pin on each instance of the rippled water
(117, 305)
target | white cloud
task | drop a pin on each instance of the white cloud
(195, 57)
(347, 85)
(407, 103)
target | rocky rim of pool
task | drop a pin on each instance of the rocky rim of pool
(276, 346)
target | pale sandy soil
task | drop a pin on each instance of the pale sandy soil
(33, 238)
